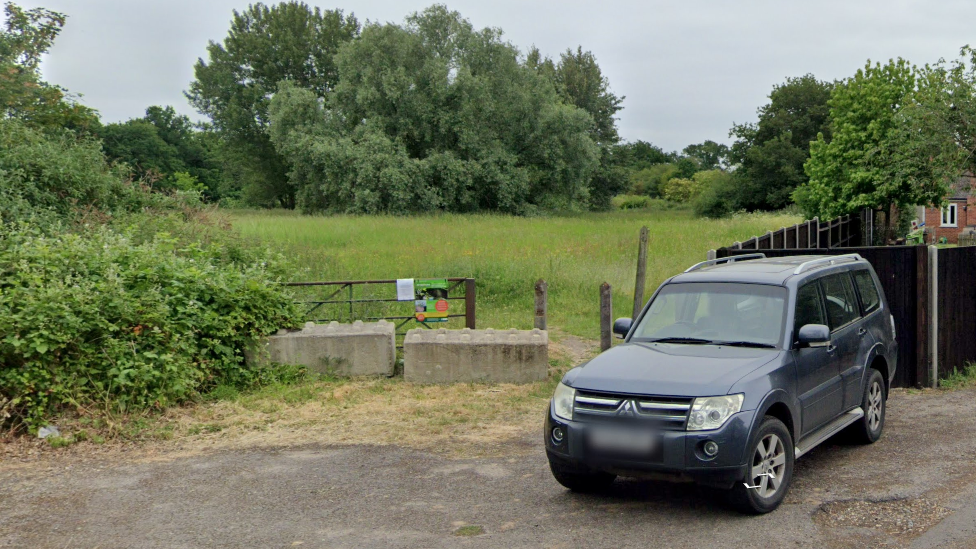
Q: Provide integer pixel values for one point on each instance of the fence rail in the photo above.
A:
(377, 308)
(843, 232)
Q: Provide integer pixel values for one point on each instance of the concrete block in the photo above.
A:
(463, 356)
(357, 349)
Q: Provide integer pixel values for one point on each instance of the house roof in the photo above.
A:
(962, 188)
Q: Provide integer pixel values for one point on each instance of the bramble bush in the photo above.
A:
(97, 322)
(114, 298)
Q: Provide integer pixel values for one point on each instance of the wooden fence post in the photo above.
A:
(921, 317)
(606, 314)
(933, 319)
(641, 273)
(541, 303)
(469, 303)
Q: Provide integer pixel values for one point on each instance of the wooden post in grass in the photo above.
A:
(606, 314)
(541, 303)
(470, 314)
(641, 273)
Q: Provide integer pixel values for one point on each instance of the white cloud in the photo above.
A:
(689, 69)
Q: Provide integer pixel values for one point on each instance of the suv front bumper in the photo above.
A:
(680, 454)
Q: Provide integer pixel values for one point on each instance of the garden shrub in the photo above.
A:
(680, 190)
(100, 321)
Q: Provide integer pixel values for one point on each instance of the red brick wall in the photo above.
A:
(965, 216)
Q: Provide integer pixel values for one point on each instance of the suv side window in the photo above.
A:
(842, 307)
(870, 300)
(808, 308)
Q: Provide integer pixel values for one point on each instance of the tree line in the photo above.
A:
(312, 109)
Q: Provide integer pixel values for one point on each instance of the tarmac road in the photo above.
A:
(916, 487)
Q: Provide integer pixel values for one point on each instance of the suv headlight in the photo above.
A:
(562, 401)
(709, 413)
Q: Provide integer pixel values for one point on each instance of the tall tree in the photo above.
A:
(710, 155)
(769, 154)
(162, 144)
(138, 143)
(435, 115)
(266, 45)
(25, 37)
(640, 155)
(581, 82)
(878, 157)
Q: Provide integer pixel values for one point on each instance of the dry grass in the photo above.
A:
(458, 421)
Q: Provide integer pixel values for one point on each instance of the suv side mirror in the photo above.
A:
(621, 326)
(814, 335)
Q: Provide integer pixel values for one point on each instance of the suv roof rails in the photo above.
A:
(807, 265)
(730, 259)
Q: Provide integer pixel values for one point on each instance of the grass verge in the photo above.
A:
(459, 420)
(960, 379)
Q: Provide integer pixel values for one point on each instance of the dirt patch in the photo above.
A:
(907, 517)
(572, 349)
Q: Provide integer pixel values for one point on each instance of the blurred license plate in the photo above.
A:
(630, 441)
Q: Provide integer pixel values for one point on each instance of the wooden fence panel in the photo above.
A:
(779, 239)
(790, 237)
(898, 271)
(957, 309)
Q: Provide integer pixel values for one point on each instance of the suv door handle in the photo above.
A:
(862, 331)
(831, 348)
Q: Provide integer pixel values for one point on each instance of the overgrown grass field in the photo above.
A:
(506, 255)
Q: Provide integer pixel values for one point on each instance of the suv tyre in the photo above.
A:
(577, 480)
(868, 429)
(770, 470)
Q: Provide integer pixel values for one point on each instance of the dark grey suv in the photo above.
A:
(734, 369)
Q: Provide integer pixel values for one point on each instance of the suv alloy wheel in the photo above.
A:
(770, 470)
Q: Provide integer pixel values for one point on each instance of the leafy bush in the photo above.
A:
(717, 194)
(631, 202)
(53, 173)
(681, 190)
(112, 297)
(650, 180)
(99, 320)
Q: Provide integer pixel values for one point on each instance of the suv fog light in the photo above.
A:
(557, 435)
(710, 448)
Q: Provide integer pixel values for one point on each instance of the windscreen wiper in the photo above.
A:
(744, 344)
(687, 340)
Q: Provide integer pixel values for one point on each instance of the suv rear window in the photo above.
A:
(840, 300)
(869, 293)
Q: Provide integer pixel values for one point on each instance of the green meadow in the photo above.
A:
(506, 255)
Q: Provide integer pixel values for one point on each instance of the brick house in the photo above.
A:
(959, 213)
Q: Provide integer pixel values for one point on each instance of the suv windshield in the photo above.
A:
(716, 312)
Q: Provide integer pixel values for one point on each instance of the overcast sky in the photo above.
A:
(688, 68)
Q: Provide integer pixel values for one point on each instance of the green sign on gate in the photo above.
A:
(430, 304)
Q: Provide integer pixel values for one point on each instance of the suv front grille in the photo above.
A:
(668, 413)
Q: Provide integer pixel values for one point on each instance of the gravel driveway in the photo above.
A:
(914, 488)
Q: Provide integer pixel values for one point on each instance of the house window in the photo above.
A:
(949, 215)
